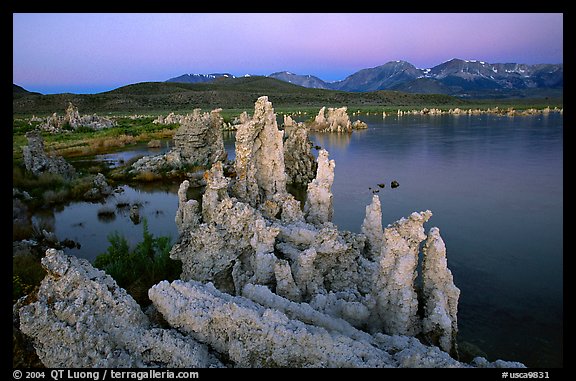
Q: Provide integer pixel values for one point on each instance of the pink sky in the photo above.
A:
(87, 53)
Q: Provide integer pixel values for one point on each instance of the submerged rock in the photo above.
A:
(154, 143)
(135, 214)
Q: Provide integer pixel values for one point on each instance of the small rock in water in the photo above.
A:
(381, 185)
(394, 184)
(135, 214)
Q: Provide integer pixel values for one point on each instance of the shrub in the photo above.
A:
(27, 273)
(81, 185)
(138, 270)
(84, 130)
(147, 176)
(26, 180)
(55, 197)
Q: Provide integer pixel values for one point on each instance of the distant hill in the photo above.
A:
(19, 91)
(457, 77)
(227, 93)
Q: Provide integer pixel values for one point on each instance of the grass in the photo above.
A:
(83, 143)
(49, 189)
(27, 272)
(138, 269)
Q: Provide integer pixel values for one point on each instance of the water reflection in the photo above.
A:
(106, 214)
(90, 224)
(334, 140)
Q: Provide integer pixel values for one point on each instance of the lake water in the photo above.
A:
(493, 183)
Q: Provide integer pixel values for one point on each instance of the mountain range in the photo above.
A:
(457, 77)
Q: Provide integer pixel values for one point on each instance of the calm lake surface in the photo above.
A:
(493, 183)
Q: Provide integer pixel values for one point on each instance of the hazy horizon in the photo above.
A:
(109, 50)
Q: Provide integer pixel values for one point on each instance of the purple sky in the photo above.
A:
(90, 53)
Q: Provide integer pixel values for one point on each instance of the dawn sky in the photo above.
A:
(90, 53)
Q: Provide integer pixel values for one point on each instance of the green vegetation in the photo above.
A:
(85, 141)
(27, 273)
(50, 189)
(139, 269)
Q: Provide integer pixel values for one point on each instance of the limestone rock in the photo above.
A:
(72, 120)
(396, 298)
(171, 118)
(372, 227)
(285, 285)
(359, 125)
(298, 159)
(320, 119)
(199, 138)
(187, 214)
(335, 120)
(37, 161)
(289, 122)
(81, 318)
(440, 324)
(260, 170)
(338, 120)
(230, 233)
(319, 200)
(255, 336)
(72, 116)
(100, 188)
(197, 142)
(263, 329)
(216, 191)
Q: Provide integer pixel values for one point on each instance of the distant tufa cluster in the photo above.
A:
(335, 120)
(72, 120)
